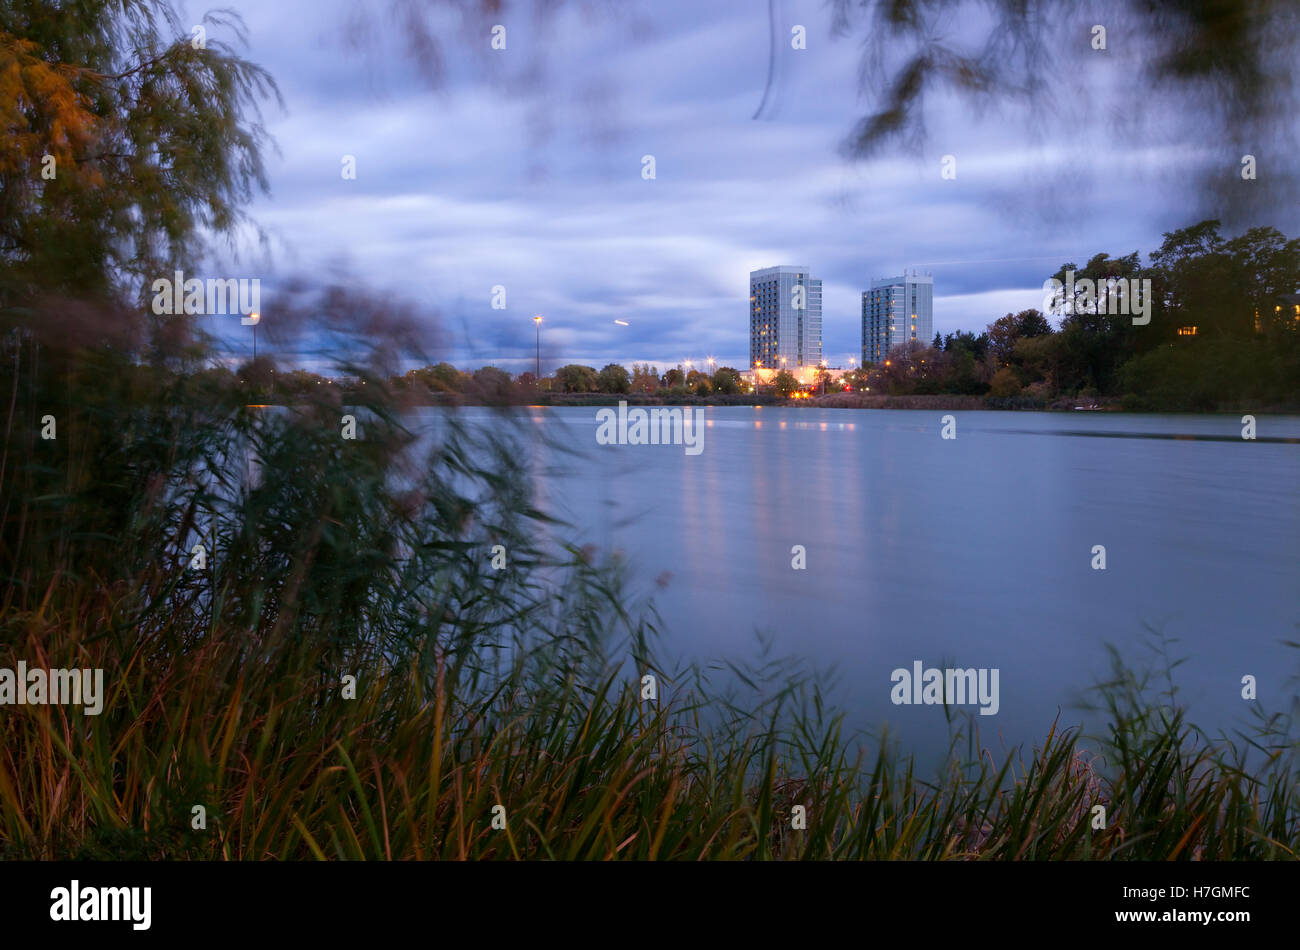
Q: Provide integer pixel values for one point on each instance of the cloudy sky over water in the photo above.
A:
(522, 168)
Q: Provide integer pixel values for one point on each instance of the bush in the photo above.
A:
(1004, 384)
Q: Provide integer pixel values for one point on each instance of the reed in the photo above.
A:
(475, 687)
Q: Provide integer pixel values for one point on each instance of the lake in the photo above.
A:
(975, 552)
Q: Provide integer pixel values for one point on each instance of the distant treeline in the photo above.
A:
(1223, 331)
(1210, 323)
(443, 382)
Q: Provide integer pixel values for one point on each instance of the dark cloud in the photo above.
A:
(525, 171)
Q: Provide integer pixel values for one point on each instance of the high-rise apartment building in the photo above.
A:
(785, 318)
(897, 310)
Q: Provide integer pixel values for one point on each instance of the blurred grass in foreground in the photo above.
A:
(475, 687)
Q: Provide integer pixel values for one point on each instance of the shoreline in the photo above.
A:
(939, 402)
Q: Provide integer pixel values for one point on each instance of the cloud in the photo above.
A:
(525, 171)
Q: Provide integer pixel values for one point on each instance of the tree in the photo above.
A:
(492, 383)
(726, 381)
(446, 377)
(822, 379)
(1004, 383)
(576, 378)
(860, 378)
(963, 341)
(785, 383)
(1004, 332)
(154, 147)
(1266, 266)
(645, 378)
(1033, 323)
(1085, 297)
(155, 142)
(613, 379)
(1040, 358)
(1193, 280)
(299, 382)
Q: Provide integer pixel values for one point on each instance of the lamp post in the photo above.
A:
(253, 319)
(824, 377)
(537, 322)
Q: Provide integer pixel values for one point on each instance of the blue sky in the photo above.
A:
(522, 168)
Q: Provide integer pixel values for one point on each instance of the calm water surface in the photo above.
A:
(973, 552)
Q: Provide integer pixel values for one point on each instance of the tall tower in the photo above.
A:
(785, 318)
(897, 310)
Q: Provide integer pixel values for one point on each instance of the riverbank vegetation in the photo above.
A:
(323, 638)
(381, 667)
(1218, 328)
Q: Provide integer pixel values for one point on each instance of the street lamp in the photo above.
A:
(824, 374)
(537, 322)
(685, 372)
(253, 319)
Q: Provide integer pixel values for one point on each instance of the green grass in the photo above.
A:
(476, 688)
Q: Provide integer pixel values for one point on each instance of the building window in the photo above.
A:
(1187, 331)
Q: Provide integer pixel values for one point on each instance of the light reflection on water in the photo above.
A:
(971, 552)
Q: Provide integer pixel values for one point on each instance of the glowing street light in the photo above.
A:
(253, 319)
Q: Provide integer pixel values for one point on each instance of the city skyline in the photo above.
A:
(538, 186)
